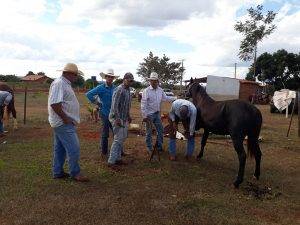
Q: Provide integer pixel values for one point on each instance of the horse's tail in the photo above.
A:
(253, 136)
(251, 146)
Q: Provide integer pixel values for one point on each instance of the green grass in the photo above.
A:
(145, 192)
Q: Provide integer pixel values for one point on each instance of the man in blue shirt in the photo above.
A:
(104, 92)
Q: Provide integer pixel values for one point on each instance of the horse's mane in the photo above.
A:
(201, 90)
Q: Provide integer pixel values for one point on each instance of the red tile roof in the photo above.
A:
(32, 77)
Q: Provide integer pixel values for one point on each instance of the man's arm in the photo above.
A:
(115, 103)
(57, 108)
(144, 104)
(92, 93)
(193, 120)
(128, 113)
(166, 98)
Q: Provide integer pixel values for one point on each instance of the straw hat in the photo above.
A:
(153, 76)
(110, 72)
(70, 67)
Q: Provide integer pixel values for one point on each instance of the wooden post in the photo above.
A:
(294, 101)
(298, 97)
(235, 70)
(25, 104)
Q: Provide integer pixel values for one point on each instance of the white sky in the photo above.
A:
(40, 35)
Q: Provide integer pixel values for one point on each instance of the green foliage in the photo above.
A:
(169, 72)
(79, 82)
(89, 83)
(9, 78)
(281, 69)
(254, 30)
(136, 84)
(118, 81)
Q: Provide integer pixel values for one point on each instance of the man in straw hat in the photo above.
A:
(104, 92)
(119, 117)
(63, 109)
(151, 100)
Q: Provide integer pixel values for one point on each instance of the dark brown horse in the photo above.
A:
(11, 106)
(234, 117)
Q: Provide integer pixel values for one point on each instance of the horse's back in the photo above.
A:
(242, 116)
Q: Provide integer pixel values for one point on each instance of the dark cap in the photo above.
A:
(128, 76)
(183, 111)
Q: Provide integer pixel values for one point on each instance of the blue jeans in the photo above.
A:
(189, 146)
(120, 135)
(156, 121)
(66, 143)
(1, 127)
(106, 125)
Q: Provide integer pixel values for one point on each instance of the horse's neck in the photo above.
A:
(204, 100)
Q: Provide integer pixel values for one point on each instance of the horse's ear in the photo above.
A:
(192, 80)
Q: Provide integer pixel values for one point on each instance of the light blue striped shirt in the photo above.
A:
(192, 114)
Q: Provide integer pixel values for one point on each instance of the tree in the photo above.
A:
(135, 84)
(41, 74)
(9, 78)
(281, 69)
(30, 73)
(254, 30)
(169, 72)
(79, 82)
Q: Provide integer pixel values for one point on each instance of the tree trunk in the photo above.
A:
(254, 63)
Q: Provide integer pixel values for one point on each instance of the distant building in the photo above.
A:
(225, 88)
(36, 78)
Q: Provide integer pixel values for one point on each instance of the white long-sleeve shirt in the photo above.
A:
(192, 114)
(151, 100)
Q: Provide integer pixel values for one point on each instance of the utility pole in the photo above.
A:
(181, 76)
(235, 70)
(298, 97)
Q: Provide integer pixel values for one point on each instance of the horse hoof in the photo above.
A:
(236, 184)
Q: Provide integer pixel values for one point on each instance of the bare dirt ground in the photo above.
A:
(143, 192)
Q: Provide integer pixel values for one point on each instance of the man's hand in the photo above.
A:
(187, 135)
(129, 119)
(146, 120)
(118, 122)
(175, 126)
(67, 120)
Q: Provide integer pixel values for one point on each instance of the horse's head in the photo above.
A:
(192, 88)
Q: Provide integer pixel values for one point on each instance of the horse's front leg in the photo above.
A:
(239, 148)
(203, 143)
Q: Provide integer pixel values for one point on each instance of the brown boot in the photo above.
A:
(188, 158)
(81, 178)
(172, 158)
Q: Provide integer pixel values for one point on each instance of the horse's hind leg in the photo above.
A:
(203, 143)
(254, 150)
(239, 148)
(257, 155)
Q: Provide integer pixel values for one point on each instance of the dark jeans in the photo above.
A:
(106, 125)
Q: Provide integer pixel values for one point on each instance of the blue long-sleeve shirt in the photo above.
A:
(105, 94)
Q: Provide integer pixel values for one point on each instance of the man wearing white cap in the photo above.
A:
(5, 99)
(151, 100)
(63, 109)
(104, 92)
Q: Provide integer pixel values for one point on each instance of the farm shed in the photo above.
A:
(248, 88)
(41, 79)
(225, 88)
